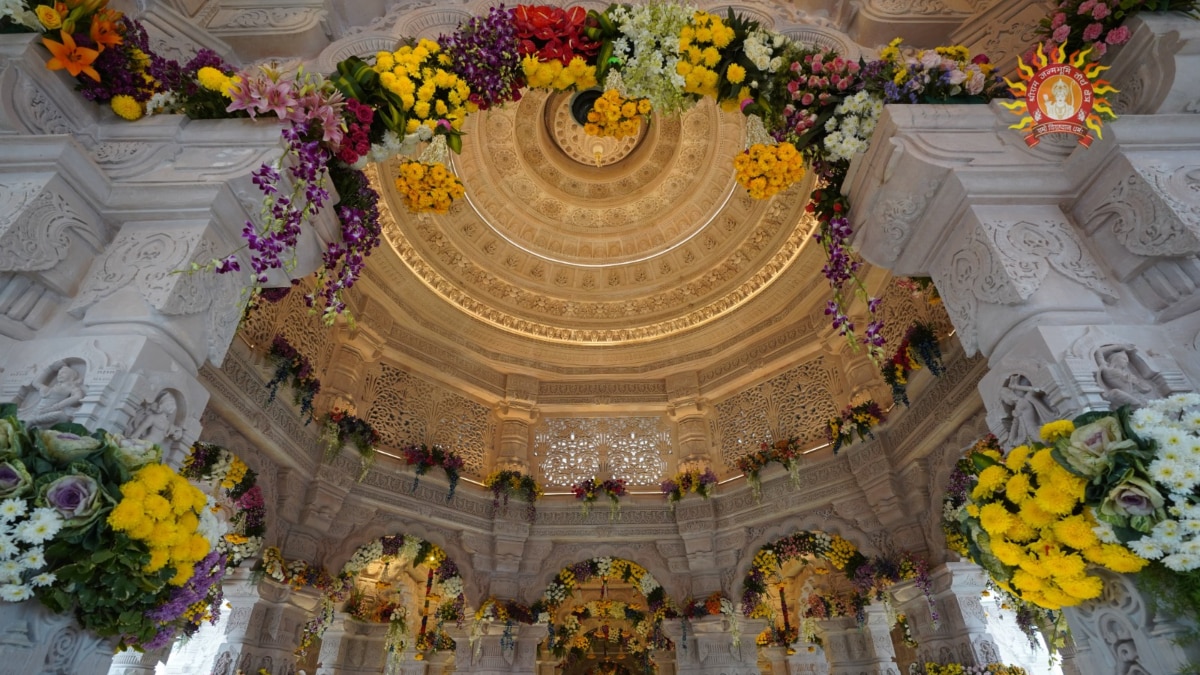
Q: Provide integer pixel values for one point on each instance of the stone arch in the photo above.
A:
(644, 554)
(812, 521)
(940, 463)
(340, 555)
(748, 565)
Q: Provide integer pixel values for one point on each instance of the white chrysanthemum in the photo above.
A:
(15, 592)
(1167, 531)
(1105, 533)
(1147, 547)
(11, 509)
(1181, 562)
(11, 568)
(211, 527)
(33, 558)
(452, 587)
(43, 579)
(38, 530)
(604, 566)
(647, 584)
(8, 548)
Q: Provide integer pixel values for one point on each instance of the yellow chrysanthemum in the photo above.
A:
(127, 515)
(1017, 457)
(1053, 431)
(994, 518)
(1042, 462)
(1021, 531)
(1018, 488)
(1082, 587)
(735, 73)
(1007, 552)
(1076, 532)
(1054, 500)
(990, 479)
(1036, 516)
(126, 107)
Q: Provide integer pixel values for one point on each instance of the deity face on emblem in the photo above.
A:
(1063, 98)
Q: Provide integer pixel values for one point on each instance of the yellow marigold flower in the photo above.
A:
(973, 510)
(157, 507)
(199, 546)
(164, 534)
(1065, 566)
(1055, 430)
(1116, 558)
(1054, 595)
(212, 79)
(142, 530)
(1034, 566)
(1024, 581)
(990, 479)
(154, 476)
(1067, 482)
(1017, 457)
(711, 56)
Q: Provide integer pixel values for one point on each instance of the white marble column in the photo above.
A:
(352, 647)
(807, 659)
(854, 650)
(264, 627)
(710, 648)
(961, 633)
(1073, 270)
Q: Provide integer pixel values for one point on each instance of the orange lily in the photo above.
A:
(67, 55)
(104, 33)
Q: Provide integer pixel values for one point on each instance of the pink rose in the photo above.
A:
(1100, 11)
(1060, 34)
(1099, 49)
(1086, 7)
(1058, 20)
(1118, 36)
(1092, 32)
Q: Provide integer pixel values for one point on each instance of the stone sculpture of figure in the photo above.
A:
(1026, 408)
(156, 420)
(224, 661)
(1126, 379)
(58, 398)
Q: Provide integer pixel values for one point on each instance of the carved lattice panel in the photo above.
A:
(304, 329)
(258, 327)
(901, 307)
(407, 410)
(794, 403)
(569, 449)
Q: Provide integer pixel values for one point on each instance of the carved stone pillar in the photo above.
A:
(774, 659)
(493, 654)
(709, 648)
(807, 659)
(1073, 270)
(350, 646)
(1120, 632)
(688, 410)
(961, 634)
(510, 531)
(854, 649)
(34, 640)
(264, 627)
(696, 520)
(517, 413)
(130, 662)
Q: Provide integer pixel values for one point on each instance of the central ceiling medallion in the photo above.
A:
(563, 118)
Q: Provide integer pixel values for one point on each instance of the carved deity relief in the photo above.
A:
(1025, 408)
(157, 420)
(59, 393)
(1126, 378)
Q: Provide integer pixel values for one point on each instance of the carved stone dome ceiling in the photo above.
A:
(565, 240)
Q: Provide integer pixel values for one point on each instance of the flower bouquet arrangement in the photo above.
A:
(590, 490)
(615, 116)
(483, 54)
(294, 368)
(855, 421)
(428, 186)
(777, 636)
(786, 451)
(493, 610)
(935, 75)
(343, 428)
(508, 483)
(556, 34)
(1099, 24)
(234, 487)
(605, 569)
(684, 482)
(766, 170)
(91, 523)
(1025, 520)
(423, 458)
(714, 605)
(918, 349)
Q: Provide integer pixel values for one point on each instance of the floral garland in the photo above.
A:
(965, 669)
(918, 349)
(424, 458)
(93, 524)
(299, 574)
(646, 633)
(767, 170)
(715, 604)
(786, 451)
(684, 482)
(855, 421)
(343, 428)
(616, 117)
(294, 368)
(508, 483)
(1099, 24)
(494, 610)
(607, 569)
(590, 490)
(236, 489)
